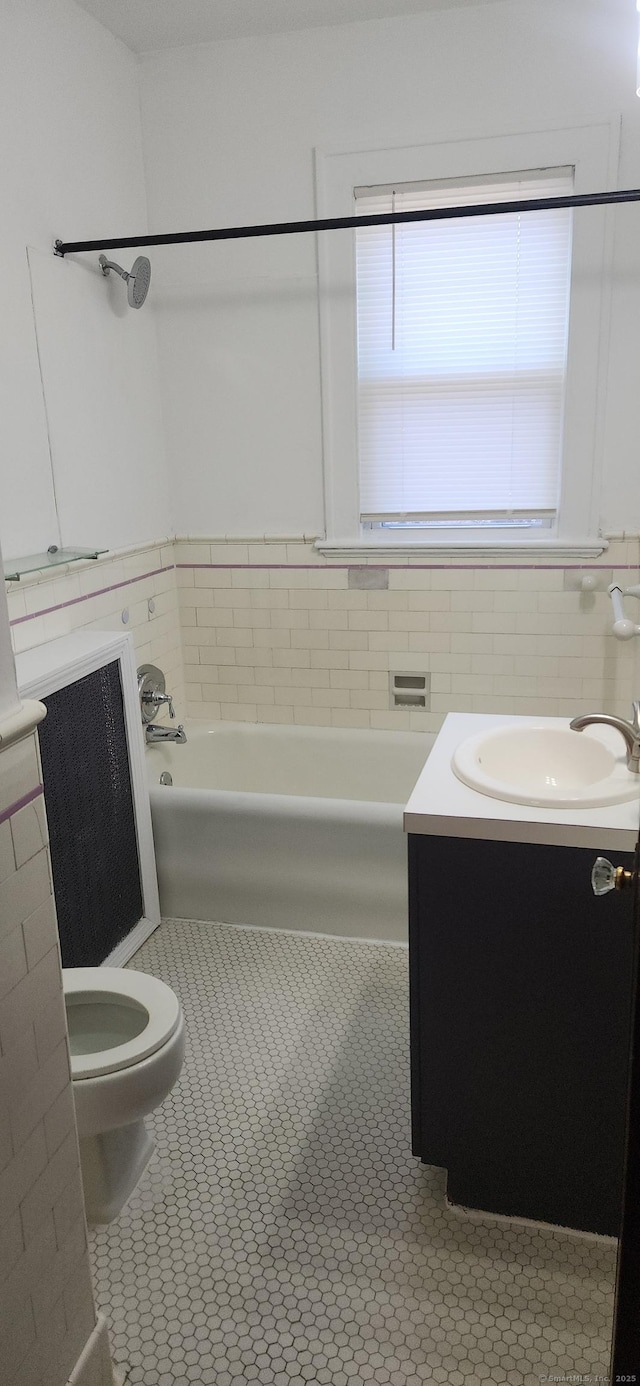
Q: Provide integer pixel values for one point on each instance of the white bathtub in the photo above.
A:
(289, 827)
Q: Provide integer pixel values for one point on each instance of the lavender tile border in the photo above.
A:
(88, 596)
(21, 803)
(320, 568)
(420, 567)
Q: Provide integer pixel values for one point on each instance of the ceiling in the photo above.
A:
(145, 25)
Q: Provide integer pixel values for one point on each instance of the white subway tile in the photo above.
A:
(436, 601)
(238, 712)
(208, 712)
(390, 721)
(348, 640)
(40, 932)
(372, 620)
(292, 659)
(328, 578)
(22, 1175)
(272, 554)
(330, 620)
(309, 678)
(349, 678)
(250, 577)
(310, 639)
(297, 697)
(22, 1006)
(50, 1024)
(39, 1094)
(232, 596)
(252, 618)
(312, 716)
(350, 717)
(28, 831)
(289, 618)
(214, 692)
(14, 961)
(59, 1119)
(270, 597)
(229, 554)
(16, 1337)
(11, 1245)
(409, 580)
(366, 699)
(20, 772)
(282, 715)
(272, 639)
(7, 859)
(329, 659)
(257, 655)
(309, 600)
(289, 578)
(254, 693)
(23, 893)
(427, 642)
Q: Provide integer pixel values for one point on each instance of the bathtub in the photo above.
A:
(286, 827)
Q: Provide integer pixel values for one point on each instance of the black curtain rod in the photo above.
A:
(292, 228)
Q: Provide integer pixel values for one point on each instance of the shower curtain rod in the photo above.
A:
(292, 228)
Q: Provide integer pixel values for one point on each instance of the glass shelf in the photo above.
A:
(53, 558)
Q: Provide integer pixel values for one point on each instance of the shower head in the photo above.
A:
(137, 279)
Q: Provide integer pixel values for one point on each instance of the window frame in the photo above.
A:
(592, 150)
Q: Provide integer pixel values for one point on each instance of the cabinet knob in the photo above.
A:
(606, 877)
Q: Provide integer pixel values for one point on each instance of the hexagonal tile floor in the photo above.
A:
(284, 1234)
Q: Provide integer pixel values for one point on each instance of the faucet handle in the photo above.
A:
(153, 696)
(636, 715)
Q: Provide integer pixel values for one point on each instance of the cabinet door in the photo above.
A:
(520, 993)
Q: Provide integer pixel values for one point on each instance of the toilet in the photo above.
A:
(126, 1041)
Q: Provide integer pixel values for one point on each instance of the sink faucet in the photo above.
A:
(629, 730)
(154, 734)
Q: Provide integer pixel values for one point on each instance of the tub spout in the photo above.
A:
(154, 734)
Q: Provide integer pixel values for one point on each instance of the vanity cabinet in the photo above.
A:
(520, 1002)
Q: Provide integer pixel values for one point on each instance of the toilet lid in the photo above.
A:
(146, 1013)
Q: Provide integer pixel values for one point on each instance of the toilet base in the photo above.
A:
(112, 1163)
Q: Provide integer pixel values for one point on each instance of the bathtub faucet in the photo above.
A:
(154, 734)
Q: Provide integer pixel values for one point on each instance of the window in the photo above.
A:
(464, 361)
(462, 344)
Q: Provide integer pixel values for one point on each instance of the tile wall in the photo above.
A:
(272, 632)
(48, 1313)
(94, 594)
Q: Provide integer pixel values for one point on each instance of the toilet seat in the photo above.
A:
(147, 993)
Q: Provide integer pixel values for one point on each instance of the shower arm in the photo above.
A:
(111, 265)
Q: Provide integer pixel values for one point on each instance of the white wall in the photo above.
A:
(229, 131)
(71, 166)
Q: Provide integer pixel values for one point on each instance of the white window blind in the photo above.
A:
(462, 344)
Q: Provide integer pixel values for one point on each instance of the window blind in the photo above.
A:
(462, 345)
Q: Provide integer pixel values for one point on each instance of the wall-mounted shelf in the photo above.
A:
(14, 568)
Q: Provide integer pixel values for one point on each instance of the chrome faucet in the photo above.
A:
(151, 691)
(153, 697)
(629, 730)
(154, 734)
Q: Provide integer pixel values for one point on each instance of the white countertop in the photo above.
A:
(442, 806)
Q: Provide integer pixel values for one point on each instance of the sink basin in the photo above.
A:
(551, 767)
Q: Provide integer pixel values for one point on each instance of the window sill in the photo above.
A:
(537, 549)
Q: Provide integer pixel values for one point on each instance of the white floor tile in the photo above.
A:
(283, 1232)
